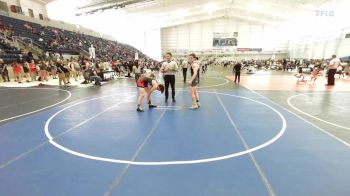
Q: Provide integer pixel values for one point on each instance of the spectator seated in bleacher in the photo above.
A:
(55, 43)
(9, 53)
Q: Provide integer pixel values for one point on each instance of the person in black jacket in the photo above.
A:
(237, 69)
(284, 64)
(4, 72)
(61, 73)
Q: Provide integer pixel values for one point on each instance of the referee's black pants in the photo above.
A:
(184, 72)
(331, 73)
(237, 76)
(169, 80)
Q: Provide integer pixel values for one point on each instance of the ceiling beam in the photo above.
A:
(191, 20)
(42, 1)
(204, 17)
(160, 11)
(252, 19)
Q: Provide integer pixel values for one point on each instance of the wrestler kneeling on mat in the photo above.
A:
(194, 82)
(147, 85)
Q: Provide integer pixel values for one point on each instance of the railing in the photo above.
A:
(27, 44)
(3, 36)
(23, 40)
(84, 52)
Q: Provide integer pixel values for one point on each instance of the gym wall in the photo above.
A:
(199, 36)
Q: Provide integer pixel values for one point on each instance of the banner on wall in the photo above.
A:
(249, 49)
(225, 39)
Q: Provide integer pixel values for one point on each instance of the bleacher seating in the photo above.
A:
(67, 42)
(9, 53)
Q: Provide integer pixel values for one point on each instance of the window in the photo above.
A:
(4, 6)
(16, 9)
(41, 16)
(31, 13)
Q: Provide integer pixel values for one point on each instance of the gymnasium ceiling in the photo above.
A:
(175, 12)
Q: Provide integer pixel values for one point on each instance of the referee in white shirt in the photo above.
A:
(332, 69)
(169, 69)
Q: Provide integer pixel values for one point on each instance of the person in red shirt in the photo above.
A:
(114, 65)
(147, 86)
(17, 71)
(32, 70)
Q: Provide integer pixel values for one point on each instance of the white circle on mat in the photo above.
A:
(214, 85)
(199, 86)
(159, 163)
(289, 101)
(41, 109)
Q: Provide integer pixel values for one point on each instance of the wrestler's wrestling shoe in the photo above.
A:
(152, 106)
(139, 110)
